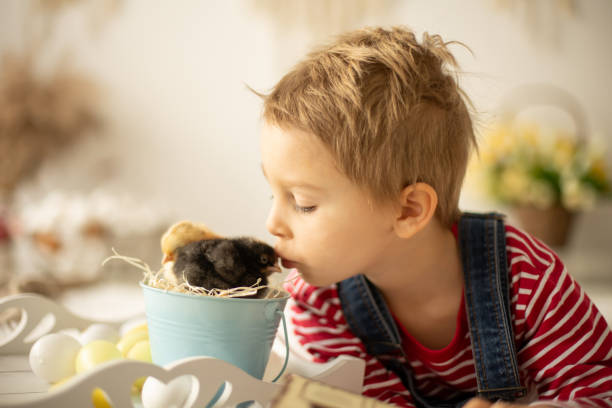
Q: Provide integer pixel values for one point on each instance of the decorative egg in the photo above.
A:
(156, 394)
(94, 353)
(133, 324)
(99, 331)
(140, 351)
(142, 328)
(128, 341)
(99, 400)
(52, 357)
(60, 383)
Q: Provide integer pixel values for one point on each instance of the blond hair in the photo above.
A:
(387, 107)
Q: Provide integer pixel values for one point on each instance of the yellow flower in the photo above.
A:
(514, 181)
(598, 171)
(523, 163)
(498, 144)
(540, 194)
(564, 151)
(576, 196)
(487, 158)
(529, 135)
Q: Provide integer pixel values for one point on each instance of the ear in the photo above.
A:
(417, 205)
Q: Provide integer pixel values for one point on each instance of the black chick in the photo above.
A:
(226, 263)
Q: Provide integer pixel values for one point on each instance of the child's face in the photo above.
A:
(324, 224)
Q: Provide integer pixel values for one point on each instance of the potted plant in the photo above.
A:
(545, 175)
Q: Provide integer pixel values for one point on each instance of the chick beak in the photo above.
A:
(271, 269)
(167, 258)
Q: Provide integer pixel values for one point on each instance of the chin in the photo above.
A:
(315, 280)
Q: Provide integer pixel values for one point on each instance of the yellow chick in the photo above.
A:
(181, 234)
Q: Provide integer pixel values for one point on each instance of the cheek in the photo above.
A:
(330, 247)
(316, 238)
(357, 244)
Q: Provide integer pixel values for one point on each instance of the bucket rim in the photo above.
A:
(283, 298)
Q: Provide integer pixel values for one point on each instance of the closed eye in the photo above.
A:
(305, 209)
(297, 207)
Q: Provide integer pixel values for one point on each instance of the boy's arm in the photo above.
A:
(483, 403)
(322, 333)
(565, 345)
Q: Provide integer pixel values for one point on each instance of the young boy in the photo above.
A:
(365, 145)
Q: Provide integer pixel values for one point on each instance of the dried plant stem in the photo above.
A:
(157, 280)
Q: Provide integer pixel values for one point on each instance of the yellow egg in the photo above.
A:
(137, 385)
(140, 351)
(99, 331)
(98, 398)
(135, 329)
(59, 383)
(128, 341)
(94, 353)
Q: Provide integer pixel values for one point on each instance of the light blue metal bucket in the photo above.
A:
(239, 331)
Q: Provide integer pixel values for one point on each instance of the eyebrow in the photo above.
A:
(293, 184)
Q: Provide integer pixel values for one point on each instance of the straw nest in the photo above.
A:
(157, 279)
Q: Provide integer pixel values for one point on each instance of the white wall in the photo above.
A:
(183, 128)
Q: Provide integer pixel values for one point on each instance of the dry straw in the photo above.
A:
(157, 280)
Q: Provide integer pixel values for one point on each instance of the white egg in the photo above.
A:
(52, 356)
(156, 394)
(99, 331)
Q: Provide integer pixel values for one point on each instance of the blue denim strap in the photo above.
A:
(370, 319)
(482, 240)
(366, 312)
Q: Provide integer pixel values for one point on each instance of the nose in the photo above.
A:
(276, 224)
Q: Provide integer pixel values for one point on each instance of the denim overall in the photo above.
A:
(483, 253)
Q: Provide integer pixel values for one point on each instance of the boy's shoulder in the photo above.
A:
(529, 252)
(524, 252)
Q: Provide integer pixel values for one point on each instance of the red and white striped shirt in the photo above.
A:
(563, 343)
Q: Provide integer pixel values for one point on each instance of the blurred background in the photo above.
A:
(120, 117)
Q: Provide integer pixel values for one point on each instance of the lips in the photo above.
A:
(286, 262)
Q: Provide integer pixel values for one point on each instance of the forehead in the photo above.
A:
(295, 156)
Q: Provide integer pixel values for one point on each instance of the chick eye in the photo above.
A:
(263, 259)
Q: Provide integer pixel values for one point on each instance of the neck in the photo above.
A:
(421, 270)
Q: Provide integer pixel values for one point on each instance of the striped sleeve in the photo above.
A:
(565, 345)
(321, 332)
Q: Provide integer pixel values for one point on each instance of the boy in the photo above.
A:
(365, 145)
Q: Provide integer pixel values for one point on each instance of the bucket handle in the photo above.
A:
(286, 346)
